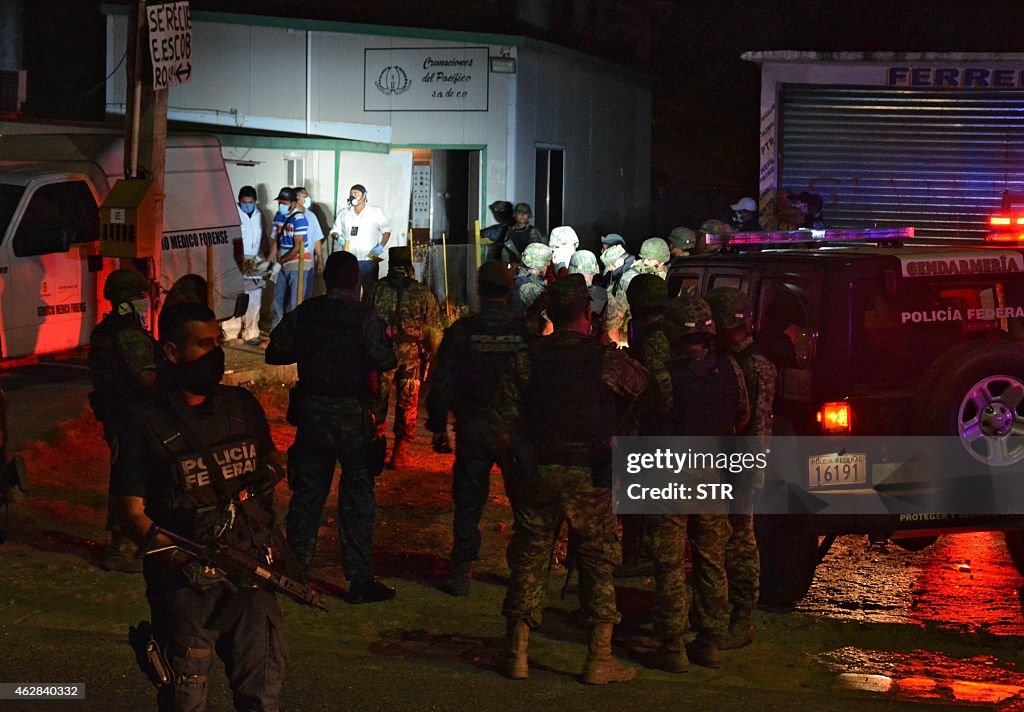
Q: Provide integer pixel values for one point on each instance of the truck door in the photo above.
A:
(49, 296)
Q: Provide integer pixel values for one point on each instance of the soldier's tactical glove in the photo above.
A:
(201, 577)
(441, 443)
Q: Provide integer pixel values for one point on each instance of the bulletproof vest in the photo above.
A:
(567, 414)
(112, 383)
(743, 357)
(332, 356)
(405, 322)
(705, 396)
(211, 463)
(492, 337)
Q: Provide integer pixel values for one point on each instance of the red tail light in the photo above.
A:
(835, 417)
(999, 221)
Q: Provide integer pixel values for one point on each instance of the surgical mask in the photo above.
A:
(352, 202)
(282, 208)
(248, 208)
(139, 307)
(202, 375)
(307, 202)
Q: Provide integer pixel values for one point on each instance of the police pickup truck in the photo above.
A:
(874, 335)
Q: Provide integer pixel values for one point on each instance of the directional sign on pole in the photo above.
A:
(170, 42)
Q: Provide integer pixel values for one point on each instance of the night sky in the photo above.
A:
(706, 99)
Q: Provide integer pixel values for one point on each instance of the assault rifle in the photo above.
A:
(226, 561)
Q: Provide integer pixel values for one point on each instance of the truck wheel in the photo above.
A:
(789, 555)
(1015, 545)
(975, 393)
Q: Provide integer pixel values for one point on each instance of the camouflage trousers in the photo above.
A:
(742, 560)
(666, 542)
(406, 382)
(558, 493)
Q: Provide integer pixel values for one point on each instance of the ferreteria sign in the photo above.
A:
(425, 79)
(170, 42)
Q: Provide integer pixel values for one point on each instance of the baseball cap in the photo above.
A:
(745, 204)
(613, 238)
(286, 194)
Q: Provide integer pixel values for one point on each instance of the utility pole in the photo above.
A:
(145, 144)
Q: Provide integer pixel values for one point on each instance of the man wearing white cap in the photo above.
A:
(745, 215)
(563, 243)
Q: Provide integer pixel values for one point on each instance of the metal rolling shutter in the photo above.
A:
(937, 160)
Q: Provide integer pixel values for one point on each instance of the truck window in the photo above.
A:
(10, 195)
(679, 284)
(785, 324)
(58, 215)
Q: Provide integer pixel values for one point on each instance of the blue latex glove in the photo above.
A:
(377, 250)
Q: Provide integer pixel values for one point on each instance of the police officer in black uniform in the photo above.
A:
(122, 361)
(474, 354)
(341, 347)
(198, 461)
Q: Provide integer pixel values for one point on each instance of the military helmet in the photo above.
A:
(523, 208)
(654, 248)
(731, 307)
(715, 227)
(647, 292)
(537, 255)
(583, 262)
(123, 285)
(612, 255)
(569, 294)
(494, 276)
(686, 315)
(563, 236)
(682, 238)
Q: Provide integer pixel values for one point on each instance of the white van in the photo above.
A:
(51, 273)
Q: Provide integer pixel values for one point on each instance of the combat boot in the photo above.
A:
(671, 657)
(458, 583)
(399, 459)
(705, 651)
(514, 664)
(741, 630)
(601, 667)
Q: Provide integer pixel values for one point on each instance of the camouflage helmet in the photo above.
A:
(654, 248)
(730, 307)
(569, 294)
(123, 285)
(715, 227)
(647, 292)
(612, 255)
(563, 236)
(583, 262)
(537, 255)
(686, 315)
(682, 238)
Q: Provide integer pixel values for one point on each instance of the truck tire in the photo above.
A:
(789, 555)
(974, 393)
(1015, 545)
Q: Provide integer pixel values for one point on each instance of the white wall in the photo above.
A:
(601, 117)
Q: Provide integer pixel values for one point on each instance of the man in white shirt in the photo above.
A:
(247, 327)
(363, 230)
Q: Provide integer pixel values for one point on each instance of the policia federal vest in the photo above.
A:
(331, 353)
(492, 337)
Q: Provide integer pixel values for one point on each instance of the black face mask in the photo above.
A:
(202, 375)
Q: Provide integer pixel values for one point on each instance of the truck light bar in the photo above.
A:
(872, 234)
(1005, 228)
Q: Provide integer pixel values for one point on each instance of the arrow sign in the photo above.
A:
(170, 42)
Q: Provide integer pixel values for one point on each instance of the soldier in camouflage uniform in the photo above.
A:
(123, 362)
(709, 398)
(584, 262)
(653, 258)
(527, 301)
(341, 346)
(562, 401)
(411, 311)
(474, 354)
(648, 295)
(616, 263)
(734, 319)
